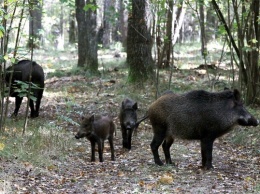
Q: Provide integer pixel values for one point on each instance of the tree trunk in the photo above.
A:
(82, 29)
(211, 25)
(139, 44)
(91, 36)
(61, 34)
(87, 36)
(202, 30)
(35, 24)
(106, 24)
(179, 22)
(168, 42)
(253, 38)
(122, 23)
(72, 27)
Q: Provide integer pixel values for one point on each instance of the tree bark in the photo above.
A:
(168, 41)
(106, 24)
(253, 38)
(82, 28)
(178, 22)
(87, 35)
(35, 24)
(202, 30)
(72, 27)
(139, 42)
(122, 23)
(91, 37)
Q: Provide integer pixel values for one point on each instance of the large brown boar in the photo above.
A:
(196, 115)
(128, 118)
(97, 129)
(21, 72)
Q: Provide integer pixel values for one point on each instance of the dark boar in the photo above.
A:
(196, 115)
(128, 117)
(97, 129)
(22, 73)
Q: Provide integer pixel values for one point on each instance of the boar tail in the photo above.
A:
(140, 120)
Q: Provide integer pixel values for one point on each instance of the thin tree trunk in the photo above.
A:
(72, 27)
(179, 22)
(168, 42)
(122, 23)
(202, 31)
(35, 24)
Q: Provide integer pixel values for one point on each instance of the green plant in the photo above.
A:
(37, 146)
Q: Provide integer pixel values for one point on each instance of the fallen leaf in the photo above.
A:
(2, 146)
(166, 179)
(120, 173)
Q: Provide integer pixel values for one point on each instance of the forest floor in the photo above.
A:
(62, 163)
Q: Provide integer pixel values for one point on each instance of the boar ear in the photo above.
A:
(91, 119)
(135, 106)
(237, 95)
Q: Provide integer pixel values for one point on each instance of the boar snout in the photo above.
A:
(250, 121)
(130, 125)
(78, 136)
(253, 122)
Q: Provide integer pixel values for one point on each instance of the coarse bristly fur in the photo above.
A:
(97, 129)
(21, 72)
(196, 115)
(128, 119)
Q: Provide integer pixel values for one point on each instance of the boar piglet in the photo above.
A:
(97, 129)
(128, 117)
(21, 72)
(196, 115)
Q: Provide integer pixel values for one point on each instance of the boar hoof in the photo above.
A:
(14, 115)
(207, 167)
(159, 163)
(34, 115)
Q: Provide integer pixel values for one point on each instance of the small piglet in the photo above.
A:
(97, 129)
(128, 119)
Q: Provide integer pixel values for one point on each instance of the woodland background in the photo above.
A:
(96, 53)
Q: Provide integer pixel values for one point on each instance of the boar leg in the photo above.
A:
(129, 138)
(38, 102)
(156, 142)
(93, 143)
(32, 109)
(18, 101)
(110, 139)
(206, 153)
(166, 149)
(124, 136)
(100, 150)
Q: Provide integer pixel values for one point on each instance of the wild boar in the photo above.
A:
(128, 118)
(97, 129)
(21, 72)
(196, 115)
